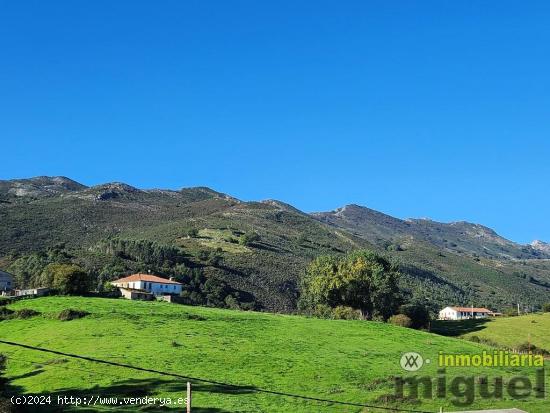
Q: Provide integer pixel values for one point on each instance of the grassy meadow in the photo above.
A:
(352, 361)
(513, 331)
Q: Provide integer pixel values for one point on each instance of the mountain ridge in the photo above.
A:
(368, 222)
(52, 185)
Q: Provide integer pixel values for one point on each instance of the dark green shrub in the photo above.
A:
(25, 313)
(345, 313)
(70, 314)
(322, 311)
(249, 238)
(192, 232)
(5, 313)
(400, 320)
(546, 308)
(527, 347)
(419, 314)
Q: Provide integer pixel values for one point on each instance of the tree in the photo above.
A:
(67, 278)
(419, 314)
(192, 232)
(249, 238)
(361, 280)
(546, 307)
(216, 291)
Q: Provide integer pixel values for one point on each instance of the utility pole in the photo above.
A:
(188, 397)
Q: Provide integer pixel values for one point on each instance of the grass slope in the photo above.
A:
(513, 331)
(343, 360)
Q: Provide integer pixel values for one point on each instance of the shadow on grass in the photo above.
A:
(454, 328)
(28, 374)
(133, 388)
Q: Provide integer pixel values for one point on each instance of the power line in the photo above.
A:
(217, 383)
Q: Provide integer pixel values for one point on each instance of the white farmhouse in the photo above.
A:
(6, 281)
(463, 313)
(146, 286)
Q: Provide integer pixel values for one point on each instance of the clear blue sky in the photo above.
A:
(435, 109)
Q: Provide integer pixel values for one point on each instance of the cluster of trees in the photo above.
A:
(412, 315)
(249, 238)
(359, 285)
(213, 292)
(36, 270)
(66, 279)
(28, 269)
(361, 280)
(59, 270)
(144, 251)
(246, 238)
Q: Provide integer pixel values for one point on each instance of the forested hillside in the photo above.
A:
(249, 254)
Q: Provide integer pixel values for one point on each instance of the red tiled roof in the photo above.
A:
(145, 277)
(470, 309)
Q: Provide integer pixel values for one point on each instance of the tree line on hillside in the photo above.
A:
(64, 273)
(357, 285)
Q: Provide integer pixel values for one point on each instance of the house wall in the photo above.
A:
(134, 295)
(450, 314)
(39, 292)
(164, 289)
(155, 288)
(126, 293)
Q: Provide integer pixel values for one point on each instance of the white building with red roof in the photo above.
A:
(143, 286)
(464, 313)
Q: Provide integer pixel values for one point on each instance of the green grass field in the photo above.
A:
(352, 361)
(513, 331)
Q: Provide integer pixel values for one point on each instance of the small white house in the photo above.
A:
(6, 281)
(463, 313)
(141, 286)
(37, 292)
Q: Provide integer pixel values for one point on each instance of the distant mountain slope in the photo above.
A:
(442, 263)
(459, 237)
(40, 186)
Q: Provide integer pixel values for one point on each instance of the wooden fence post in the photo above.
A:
(188, 397)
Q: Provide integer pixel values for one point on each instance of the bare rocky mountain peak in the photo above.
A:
(39, 186)
(541, 246)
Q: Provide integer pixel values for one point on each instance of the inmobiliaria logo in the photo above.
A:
(464, 390)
